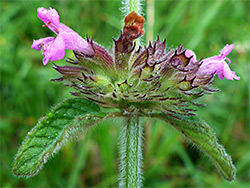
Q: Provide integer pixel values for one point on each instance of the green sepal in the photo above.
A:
(64, 122)
(202, 136)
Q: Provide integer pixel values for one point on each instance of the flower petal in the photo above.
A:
(190, 53)
(57, 49)
(37, 44)
(45, 60)
(49, 17)
(53, 50)
(73, 41)
(228, 74)
(235, 76)
(226, 50)
(210, 66)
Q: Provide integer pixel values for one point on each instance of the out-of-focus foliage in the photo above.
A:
(27, 94)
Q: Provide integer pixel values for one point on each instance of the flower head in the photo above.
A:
(146, 78)
(54, 48)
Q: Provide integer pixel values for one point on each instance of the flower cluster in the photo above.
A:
(146, 78)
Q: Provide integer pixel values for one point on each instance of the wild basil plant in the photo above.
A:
(140, 81)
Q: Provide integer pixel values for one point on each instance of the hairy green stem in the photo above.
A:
(134, 5)
(129, 6)
(131, 157)
(150, 19)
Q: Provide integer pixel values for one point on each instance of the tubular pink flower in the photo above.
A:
(216, 64)
(54, 48)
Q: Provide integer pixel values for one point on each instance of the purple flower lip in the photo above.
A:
(216, 64)
(54, 48)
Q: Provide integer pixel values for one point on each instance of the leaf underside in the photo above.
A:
(65, 121)
(202, 136)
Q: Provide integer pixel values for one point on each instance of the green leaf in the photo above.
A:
(199, 133)
(64, 122)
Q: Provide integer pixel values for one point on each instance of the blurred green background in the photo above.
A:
(27, 94)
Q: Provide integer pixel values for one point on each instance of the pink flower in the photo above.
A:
(216, 64)
(54, 48)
